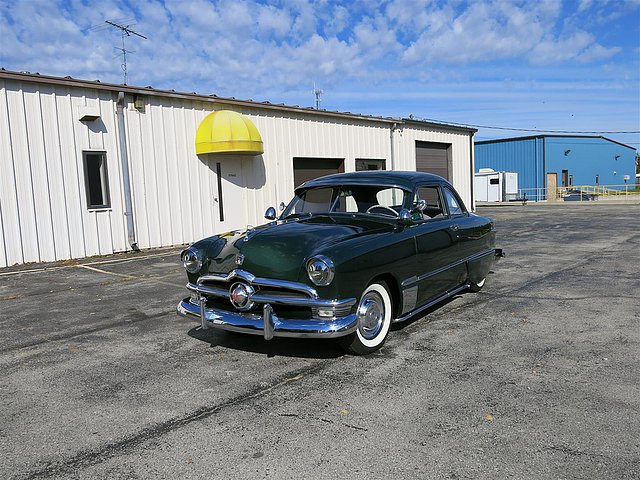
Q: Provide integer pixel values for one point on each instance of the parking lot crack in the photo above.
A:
(101, 454)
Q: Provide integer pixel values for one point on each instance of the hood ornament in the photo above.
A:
(239, 259)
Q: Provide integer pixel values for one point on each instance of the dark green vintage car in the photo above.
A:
(349, 255)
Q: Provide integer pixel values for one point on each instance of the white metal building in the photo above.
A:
(88, 168)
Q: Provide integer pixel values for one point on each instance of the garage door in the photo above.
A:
(306, 168)
(433, 158)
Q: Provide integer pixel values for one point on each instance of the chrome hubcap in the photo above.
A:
(370, 315)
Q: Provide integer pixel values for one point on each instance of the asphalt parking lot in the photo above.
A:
(536, 376)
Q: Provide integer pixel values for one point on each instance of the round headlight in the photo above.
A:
(320, 270)
(192, 260)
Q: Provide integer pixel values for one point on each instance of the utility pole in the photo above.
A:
(317, 93)
(125, 32)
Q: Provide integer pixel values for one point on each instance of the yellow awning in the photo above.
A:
(225, 131)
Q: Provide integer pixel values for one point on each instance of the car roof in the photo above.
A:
(391, 178)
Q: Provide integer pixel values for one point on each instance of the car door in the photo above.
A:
(473, 231)
(438, 265)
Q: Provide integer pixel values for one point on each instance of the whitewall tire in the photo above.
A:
(476, 287)
(374, 320)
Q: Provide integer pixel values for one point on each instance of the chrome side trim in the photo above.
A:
(481, 254)
(409, 282)
(277, 327)
(253, 280)
(444, 296)
(409, 298)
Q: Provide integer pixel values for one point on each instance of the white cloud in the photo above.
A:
(234, 46)
(274, 21)
(502, 29)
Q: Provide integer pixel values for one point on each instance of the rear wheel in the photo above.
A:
(476, 287)
(374, 320)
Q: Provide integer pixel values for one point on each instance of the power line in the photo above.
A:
(516, 129)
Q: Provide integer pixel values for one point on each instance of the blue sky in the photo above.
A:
(548, 65)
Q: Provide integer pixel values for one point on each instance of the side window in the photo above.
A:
(96, 180)
(345, 202)
(454, 205)
(432, 207)
(390, 197)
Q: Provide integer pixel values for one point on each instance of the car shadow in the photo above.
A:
(294, 347)
(421, 316)
(283, 347)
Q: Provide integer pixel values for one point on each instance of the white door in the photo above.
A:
(494, 189)
(230, 201)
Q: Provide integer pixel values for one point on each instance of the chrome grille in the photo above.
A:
(280, 294)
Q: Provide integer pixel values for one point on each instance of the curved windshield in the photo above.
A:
(377, 200)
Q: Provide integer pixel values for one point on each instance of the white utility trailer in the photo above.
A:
(492, 186)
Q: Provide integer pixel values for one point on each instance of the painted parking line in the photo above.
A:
(116, 274)
(102, 262)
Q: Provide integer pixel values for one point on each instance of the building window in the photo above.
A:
(370, 164)
(96, 180)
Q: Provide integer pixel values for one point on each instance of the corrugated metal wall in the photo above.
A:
(42, 194)
(525, 157)
(583, 157)
(461, 149)
(43, 205)
(586, 157)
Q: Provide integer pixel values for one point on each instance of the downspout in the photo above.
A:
(544, 168)
(126, 183)
(473, 169)
(392, 159)
(535, 173)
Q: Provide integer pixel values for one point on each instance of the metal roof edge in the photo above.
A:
(530, 137)
(114, 87)
(414, 121)
(509, 139)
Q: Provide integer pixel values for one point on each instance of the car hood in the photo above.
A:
(279, 249)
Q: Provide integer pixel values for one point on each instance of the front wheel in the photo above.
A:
(374, 320)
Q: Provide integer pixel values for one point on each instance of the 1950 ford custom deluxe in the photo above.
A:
(348, 256)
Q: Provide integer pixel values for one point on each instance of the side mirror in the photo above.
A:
(404, 218)
(270, 214)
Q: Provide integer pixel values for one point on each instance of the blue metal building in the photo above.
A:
(577, 160)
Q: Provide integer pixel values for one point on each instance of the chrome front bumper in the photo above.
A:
(268, 324)
(329, 318)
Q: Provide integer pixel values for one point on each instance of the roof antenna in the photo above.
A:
(126, 32)
(317, 93)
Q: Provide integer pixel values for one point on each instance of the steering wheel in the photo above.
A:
(385, 210)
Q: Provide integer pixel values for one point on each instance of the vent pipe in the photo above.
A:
(126, 183)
